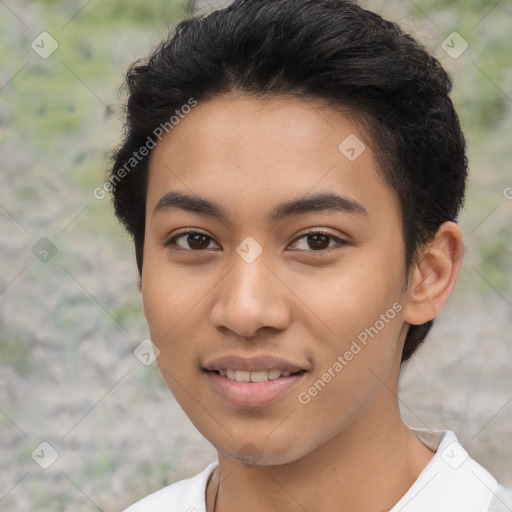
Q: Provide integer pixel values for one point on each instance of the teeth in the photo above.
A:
(274, 374)
(261, 376)
(242, 376)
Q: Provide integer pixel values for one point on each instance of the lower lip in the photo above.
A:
(252, 394)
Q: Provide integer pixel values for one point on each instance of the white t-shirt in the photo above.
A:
(451, 482)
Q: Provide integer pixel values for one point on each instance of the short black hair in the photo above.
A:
(330, 50)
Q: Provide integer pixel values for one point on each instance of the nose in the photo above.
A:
(249, 298)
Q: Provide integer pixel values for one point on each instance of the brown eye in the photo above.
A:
(317, 241)
(198, 241)
(193, 241)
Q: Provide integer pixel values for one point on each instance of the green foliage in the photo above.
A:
(139, 11)
(15, 351)
(482, 88)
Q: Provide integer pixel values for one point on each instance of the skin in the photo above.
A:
(348, 448)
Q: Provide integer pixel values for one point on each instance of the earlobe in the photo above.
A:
(432, 278)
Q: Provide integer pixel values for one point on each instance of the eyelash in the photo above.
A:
(339, 241)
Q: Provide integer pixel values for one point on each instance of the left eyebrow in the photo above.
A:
(326, 202)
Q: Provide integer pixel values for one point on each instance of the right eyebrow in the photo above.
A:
(173, 201)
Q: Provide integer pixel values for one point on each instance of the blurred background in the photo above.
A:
(85, 424)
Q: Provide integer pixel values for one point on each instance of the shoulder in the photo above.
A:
(452, 481)
(187, 494)
(501, 500)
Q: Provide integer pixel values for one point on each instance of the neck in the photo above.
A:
(367, 467)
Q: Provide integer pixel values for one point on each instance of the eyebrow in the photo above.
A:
(325, 202)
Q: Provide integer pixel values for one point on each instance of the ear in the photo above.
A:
(433, 276)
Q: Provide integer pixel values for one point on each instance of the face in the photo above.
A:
(273, 255)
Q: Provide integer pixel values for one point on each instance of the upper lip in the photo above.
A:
(253, 364)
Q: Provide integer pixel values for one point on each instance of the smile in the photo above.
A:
(257, 381)
(260, 376)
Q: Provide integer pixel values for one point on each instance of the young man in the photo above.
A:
(291, 175)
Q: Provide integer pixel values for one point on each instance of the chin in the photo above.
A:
(263, 453)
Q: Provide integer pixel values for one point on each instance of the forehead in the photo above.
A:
(251, 154)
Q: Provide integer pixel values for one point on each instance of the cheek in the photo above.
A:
(166, 307)
(169, 293)
(350, 374)
(359, 310)
(351, 296)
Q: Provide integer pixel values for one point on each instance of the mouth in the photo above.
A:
(255, 382)
(259, 376)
